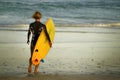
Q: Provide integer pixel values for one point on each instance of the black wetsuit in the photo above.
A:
(36, 28)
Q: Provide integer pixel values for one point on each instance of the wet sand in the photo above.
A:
(63, 77)
(87, 54)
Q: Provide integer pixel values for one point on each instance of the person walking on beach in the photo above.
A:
(35, 28)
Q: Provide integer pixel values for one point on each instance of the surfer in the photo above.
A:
(35, 28)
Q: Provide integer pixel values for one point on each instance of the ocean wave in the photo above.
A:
(111, 28)
(90, 25)
(60, 4)
(104, 25)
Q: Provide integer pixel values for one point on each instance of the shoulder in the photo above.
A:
(42, 24)
(32, 23)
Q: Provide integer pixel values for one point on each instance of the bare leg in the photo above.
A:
(30, 68)
(30, 62)
(36, 69)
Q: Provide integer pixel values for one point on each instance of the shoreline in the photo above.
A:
(99, 30)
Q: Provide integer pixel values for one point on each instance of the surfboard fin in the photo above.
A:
(42, 60)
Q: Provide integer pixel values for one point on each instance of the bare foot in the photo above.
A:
(29, 68)
(35, 72)
(36, 69)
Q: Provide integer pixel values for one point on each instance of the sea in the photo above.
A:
(76, 12)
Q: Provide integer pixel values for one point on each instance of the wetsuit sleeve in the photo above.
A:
(48, 37)
(28, 34)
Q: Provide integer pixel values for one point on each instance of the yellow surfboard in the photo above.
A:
(42, 46)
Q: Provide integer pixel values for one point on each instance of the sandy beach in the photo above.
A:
(77, 54)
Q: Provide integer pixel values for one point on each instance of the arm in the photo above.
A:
(28, 35)
(48, 37)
